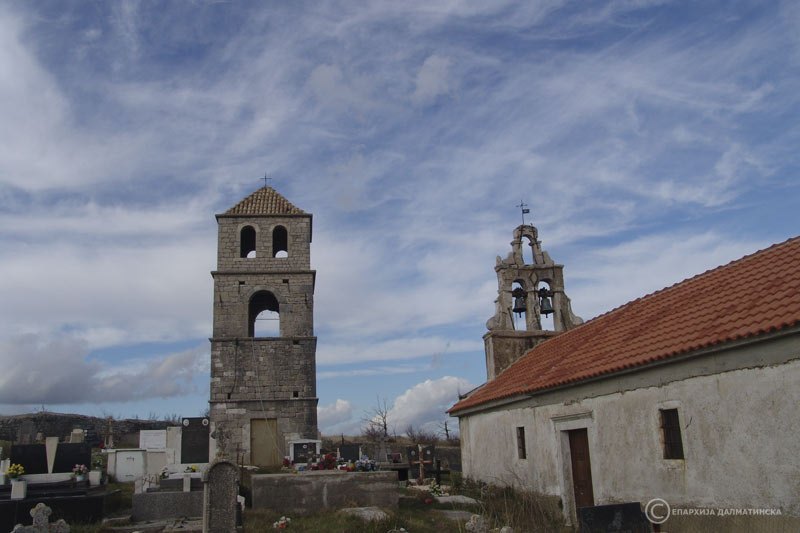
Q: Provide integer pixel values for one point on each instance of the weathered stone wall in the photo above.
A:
(295, 418)
(263, 369)
(293, 290)
(147, 506)
(739, 426)
(310, 491)
(228, 244)
(263, 378)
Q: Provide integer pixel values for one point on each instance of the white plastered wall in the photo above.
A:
(740, 434)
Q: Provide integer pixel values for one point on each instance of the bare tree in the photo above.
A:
(421, 436)
(444, 429)
(376, 420)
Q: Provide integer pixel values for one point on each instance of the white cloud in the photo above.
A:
(425, 404)
(37, 371)
(433, 80)
(330, 416)
(606, 278)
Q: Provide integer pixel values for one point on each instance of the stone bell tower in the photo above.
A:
(530, 289)
(263, 350)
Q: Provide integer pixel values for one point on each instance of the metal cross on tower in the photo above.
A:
(265, 178)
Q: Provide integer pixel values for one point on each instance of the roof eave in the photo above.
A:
(498, 402)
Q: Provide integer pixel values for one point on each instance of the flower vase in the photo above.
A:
(19, 489)
(79, 477)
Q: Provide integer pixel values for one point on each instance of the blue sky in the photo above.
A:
(652, 141)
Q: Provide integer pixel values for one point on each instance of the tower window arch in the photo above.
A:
(247, 242)
(526, 250)
(264, 319)
(280, 242)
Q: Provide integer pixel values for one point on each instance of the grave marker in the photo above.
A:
(194, 440)
(220, 497)
(615, 518)
(153, 439)
(350, 452)
(41, 522)
(77, 436)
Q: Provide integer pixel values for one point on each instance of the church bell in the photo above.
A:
(519, 301)
(545, 304)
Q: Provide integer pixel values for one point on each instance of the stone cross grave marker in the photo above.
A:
(220, 492)
(41, 522)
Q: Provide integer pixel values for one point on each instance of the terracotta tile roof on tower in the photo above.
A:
(756, 294)
(265, 201)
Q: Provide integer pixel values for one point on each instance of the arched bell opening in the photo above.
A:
(519, 305)
(545, 305)
(280, 242)
(526, 250)
(264, 315)
(247, 242)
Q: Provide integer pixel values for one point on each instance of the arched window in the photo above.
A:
(526, 250)
(280, 242)
(264, 315)
(247, 242)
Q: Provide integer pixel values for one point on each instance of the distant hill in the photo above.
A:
(24, 428)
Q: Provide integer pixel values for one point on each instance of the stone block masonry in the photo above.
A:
(310, 491)
(263, 377)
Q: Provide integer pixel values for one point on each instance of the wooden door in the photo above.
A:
(264, 449)
(581, 468)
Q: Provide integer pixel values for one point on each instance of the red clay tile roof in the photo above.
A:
(265, 201)
(756, 294)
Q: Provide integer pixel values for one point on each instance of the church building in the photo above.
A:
(687, 396)
(263, 349)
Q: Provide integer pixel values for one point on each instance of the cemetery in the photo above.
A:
(173, 482)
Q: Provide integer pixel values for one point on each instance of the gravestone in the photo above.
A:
(302, 452)
(153, 439)
(220, 502)
(41, 522)
(77, 436)
(68, 455)
(194, 440)
(32, 457)
(616, 518)
(350, 452)
(26, 434)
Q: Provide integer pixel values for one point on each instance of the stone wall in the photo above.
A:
(299, 235)
(263, 369)
(311, 491)
(739, 426)
(263, 377)
(166, 504)
(293, 290)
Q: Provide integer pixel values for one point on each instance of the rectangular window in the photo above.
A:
(521, 453)
(671, 428)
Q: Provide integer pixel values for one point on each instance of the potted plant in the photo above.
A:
(79, 471)
(19, 487)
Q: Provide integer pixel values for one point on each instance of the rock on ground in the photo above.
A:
(368, 514)
(457, 499)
